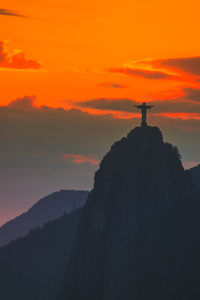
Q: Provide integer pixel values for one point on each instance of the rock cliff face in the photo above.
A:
(138, 237)
(195, 175)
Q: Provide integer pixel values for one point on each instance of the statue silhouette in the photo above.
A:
(144, 109)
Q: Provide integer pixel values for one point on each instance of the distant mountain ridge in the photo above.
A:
(48, 208)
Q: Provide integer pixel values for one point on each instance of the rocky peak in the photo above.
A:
(141, 212)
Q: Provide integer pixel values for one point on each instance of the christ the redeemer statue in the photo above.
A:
(144, 108)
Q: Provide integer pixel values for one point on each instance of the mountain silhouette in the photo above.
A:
(48, 208)
(32, 267)
(138, 236)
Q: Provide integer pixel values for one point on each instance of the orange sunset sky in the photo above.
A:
(70, 75)
(83, 50)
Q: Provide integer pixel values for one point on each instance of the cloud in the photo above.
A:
(177, 66)
(190, 65)
(67, 131)
(16, 60)
(112, 85)
(128, 105)
(176, 106)
(80, 159)
(192, 94)
(165, 68)
(125, 105)
(147, 74)
(25, 103)
(11, 13)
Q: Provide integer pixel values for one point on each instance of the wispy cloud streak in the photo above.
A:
(11, 13)
(80, 159)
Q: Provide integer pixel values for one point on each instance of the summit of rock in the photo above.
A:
(141, 152)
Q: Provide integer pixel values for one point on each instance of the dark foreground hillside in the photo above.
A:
(32, 268)
(48, 208)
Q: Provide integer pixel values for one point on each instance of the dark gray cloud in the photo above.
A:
(128, 105)
(113, 85)
(57, 130)
(192, 94)
(166, 68)
(25, 103)
(141, 73)
(189, 65)
(11, 13)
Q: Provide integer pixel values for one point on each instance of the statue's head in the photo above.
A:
(144, 103)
